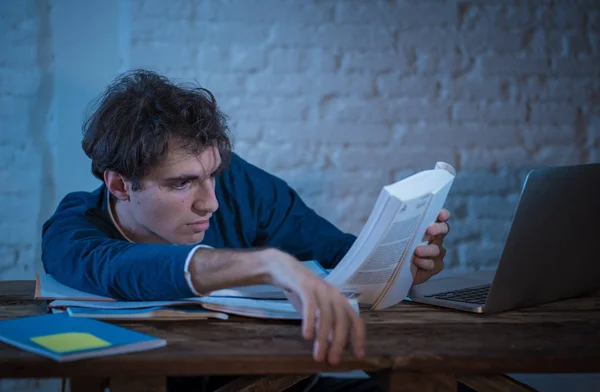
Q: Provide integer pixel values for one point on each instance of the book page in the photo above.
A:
(374, 273)
(386, 238)
(400, 283)
(382, 216)
(385, 257)
(377, 221)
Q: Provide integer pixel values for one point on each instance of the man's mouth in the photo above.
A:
(199, 226)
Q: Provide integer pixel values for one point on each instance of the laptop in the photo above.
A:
(551, 251)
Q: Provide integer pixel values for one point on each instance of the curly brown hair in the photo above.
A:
(129, 127)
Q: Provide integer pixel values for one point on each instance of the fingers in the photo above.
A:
(357, 329)
(327, 317)
(425, 264)
(439, 266)
(444, 215)
(347, 321)
(433, 265)
(427, 251)
(336, 320)
(309, 318)
(340, 334)
(442, 253)
(430, 257)
(438, 229)
(324, 328)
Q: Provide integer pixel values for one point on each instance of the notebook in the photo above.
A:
(153, 313)
(63, 338)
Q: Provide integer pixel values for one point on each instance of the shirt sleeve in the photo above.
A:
(287, 223)
(77, 253)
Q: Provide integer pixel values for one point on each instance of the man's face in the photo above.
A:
(177, 198)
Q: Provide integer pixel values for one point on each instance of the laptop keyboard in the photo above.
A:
(471, 295)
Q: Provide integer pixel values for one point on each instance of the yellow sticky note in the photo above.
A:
(70, 341)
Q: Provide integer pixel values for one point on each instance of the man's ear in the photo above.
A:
(117, 185)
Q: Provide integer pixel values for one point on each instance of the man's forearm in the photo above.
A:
(215, 269)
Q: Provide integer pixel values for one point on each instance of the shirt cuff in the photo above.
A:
(186, 272)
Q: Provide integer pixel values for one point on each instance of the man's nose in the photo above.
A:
(206, 198)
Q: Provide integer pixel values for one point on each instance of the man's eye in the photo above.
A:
(180, 185)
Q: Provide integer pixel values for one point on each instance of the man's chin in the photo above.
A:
(188, 239)
(192, 239)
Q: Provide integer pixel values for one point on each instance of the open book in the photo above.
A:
(378, 268)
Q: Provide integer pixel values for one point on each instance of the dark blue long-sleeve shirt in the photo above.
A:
(83, 249)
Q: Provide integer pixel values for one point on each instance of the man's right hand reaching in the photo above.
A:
(328, 318)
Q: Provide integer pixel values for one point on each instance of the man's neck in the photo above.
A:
(126, 224)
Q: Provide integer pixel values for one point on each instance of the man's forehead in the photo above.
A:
(178, 160)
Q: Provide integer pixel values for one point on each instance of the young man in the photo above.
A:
(178, 215)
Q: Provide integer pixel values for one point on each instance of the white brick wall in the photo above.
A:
(363, 92)
(23, 149)
(25, 159)
(337, 97)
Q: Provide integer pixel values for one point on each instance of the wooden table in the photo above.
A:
(410, 346)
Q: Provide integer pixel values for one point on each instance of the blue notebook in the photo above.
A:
(64, 338)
